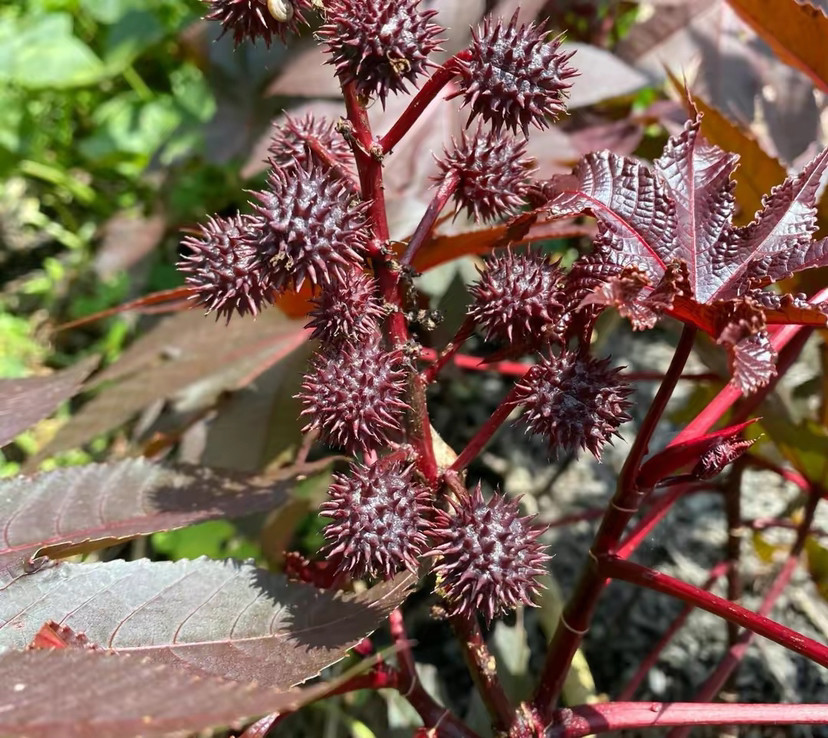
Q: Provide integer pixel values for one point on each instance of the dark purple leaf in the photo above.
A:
(698, 176)
(76, 693)
(650, 223)
(101, 503)
(211, 618)
(183, 349)
(24, 402)
(636, 220)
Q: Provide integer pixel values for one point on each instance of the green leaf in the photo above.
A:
(38, 52)
(127, 39)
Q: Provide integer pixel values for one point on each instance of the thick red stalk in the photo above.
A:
(483, 669)
(652, 657)
(441, 77)
(435, 717)
(577, 615)
(612, 566)
(602, 718)
(369, 165)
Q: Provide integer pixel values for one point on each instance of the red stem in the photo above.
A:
(435, 717)
(485, 432)
(441, 77)
(733, 547)
(789, 475)
(601, 718)
(448, 353)
(780, 338)
(652, 657)
(518, 369)
(612, 566)
(657, 512)
(369, 165)
(716, 681)
(577, 615)
(483, 669)
(426, 224)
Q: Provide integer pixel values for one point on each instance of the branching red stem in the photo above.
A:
(652, 657)
(612, 566)
(441, 77)
(426, 224)
(483, 668)
(369, 165)
(577, 615)
(602, 718)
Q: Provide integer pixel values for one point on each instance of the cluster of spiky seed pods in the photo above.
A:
(309, 226)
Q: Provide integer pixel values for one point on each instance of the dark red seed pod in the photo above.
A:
(488, 557)
(492, 172)
(380, 45)
(347, 310)
(354, 395)
(291, 143)
(519, 299)
(380, 513)
(316, 230)
(515, 77)
(254, 19)
(574, 401)
(226, 269)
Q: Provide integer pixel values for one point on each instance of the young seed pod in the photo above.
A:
(254, 19)
(354, 394)
(492, 173)
(289, 144)
(225, 267)
(315, 228)
(380, 45)
(515, 77)
(519, 299)
(379, 515)
(574, 401)
(488, 557)
(346, 310)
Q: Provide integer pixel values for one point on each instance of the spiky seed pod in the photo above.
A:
(380, 45)
(715, 459)
(316, 230)
(493, 175)
(574, 401)
(515, 77)
(289, 145)
(225, 267)
(254, 19)
(379, 517)
(488, 557)
(354, 395)
(346, 310)
(519, 299)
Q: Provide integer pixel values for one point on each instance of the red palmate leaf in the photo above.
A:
(98, 504)
(680, 213)
(210, 618)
